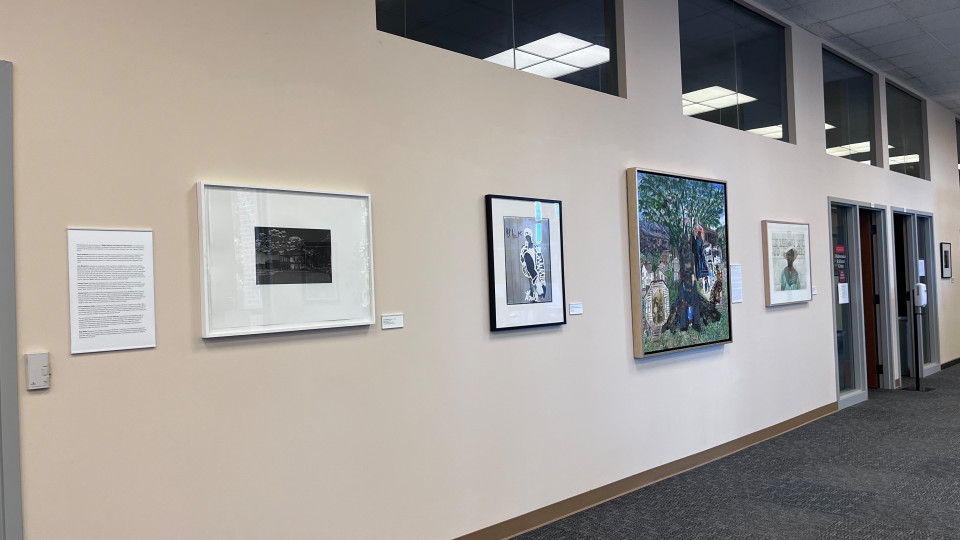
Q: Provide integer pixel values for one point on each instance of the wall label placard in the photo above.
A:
(111, 290)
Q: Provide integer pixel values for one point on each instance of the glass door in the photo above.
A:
(927, 274)
(851, 372)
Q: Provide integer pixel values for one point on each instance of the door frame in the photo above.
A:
(855, 275)
(933, 304)
(11, 514)
(886, 346)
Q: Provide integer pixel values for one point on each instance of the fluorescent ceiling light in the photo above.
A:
(828, 127)
(728, 101)
(586, 58)
(900, 160)
(686, 102)
(556, 45)
(509, 56)
(705, 94)
(847, 149)
(551, 69)
(696, 108)
(774, 132)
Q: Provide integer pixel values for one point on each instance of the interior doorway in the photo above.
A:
(872, 283)
(861, 315)
(915, 267)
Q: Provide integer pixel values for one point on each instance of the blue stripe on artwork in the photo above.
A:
(539, 231)
(539, 214)
(556, 209)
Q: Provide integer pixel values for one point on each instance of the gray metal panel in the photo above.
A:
(11, 516)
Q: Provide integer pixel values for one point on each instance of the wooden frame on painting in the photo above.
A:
(786, 262)
(679, 262)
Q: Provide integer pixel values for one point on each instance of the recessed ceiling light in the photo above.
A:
(551, 69)
(555, 45)
(901, 160)
(510, 56)
(696, 108)
(828, 127)
(728, 101)
(704, 94)
(586, 58)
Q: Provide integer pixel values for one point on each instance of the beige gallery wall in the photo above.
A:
(441, 428)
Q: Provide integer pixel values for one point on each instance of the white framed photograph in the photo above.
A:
(786, 262)
(525, 258)
(282, 260)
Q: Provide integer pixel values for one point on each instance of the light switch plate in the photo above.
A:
(38, 371)
(814, 290)
(576, 308)
(392, 321)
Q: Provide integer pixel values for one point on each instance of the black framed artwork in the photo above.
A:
(525, 262)
(946, 260)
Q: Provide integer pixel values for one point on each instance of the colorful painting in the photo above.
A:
(679, 262)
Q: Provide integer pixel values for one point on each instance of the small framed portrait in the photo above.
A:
(946, 260)
(525, 261)
(786, 262)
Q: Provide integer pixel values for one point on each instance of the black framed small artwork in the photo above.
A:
(525, 262)
(946, 262)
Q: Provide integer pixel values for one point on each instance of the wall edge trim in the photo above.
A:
(548, 514)
(949, 364)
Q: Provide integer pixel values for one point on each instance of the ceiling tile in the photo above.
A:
(905, 46)
(824, 30)
(798, 16)
(845, 43)
(947, 36)
(887, 33)
(920, 58)
(941, 21)
(865, 20)
(919, 8)
(832, 9)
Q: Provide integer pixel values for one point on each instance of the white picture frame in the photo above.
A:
(282, 260)
(781, 286)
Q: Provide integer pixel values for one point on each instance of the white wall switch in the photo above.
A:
(814, 290)
(576, 308)
(389, 322)
(38, 371)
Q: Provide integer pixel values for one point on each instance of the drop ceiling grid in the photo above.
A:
(915, 41)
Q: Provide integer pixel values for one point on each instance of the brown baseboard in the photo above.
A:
(577, 503)
(950, 364)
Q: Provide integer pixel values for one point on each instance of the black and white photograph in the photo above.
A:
(286, 256)
(525, 257)
(526, 246)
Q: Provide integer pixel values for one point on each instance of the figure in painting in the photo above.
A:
(790, 278)
(531, 264)
(703, 272)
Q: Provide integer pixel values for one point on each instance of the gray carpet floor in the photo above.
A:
(888, 468)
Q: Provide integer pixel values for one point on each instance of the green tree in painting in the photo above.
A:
(666, 201)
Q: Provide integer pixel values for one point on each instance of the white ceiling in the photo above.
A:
(917, 42)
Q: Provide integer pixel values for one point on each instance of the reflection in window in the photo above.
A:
(905, 131)
(733, 62)
(568, 40)
(848, 104)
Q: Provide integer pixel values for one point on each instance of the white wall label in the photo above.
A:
(111, 290)
(576, 308)
(736, 284)
(814, 290)
(389, 322)
(922, 267)
(843, 293)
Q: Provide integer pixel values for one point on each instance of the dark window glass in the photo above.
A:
(733, 63)
(848, 103)
(568, 40)
(905, 131)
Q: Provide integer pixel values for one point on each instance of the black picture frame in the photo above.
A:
(526, 277)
